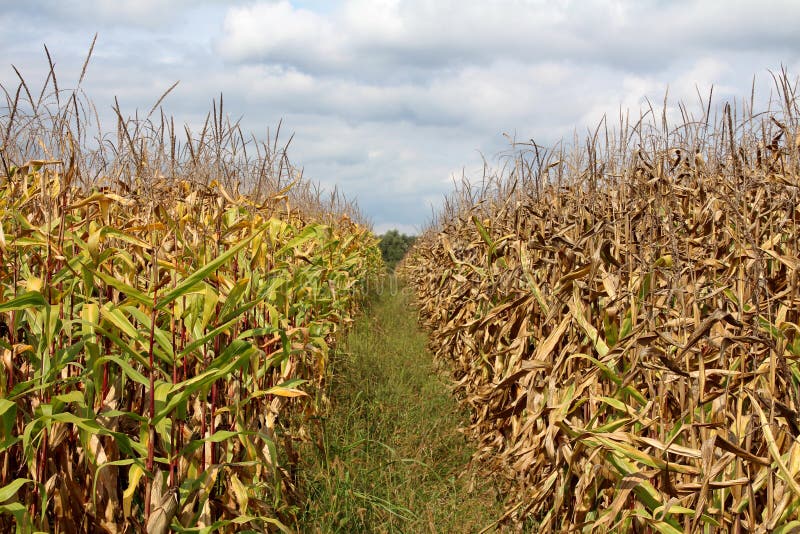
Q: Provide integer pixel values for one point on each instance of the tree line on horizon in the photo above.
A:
(394, 246)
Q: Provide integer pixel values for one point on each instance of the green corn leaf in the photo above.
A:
(20, 513)
(196, 344)
(187, 284)
(11, 489)
(128, 291)
(787, 528)
(300, 239)
(217, 437)
(483, 232)
(73, 397)
(127, 368)
(116, 317)
(231, 308)
(235, 355)
(124, 442)
(30, 299)
(664, 527)
(8, 414)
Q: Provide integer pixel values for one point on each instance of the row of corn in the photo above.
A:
(623, 320)
(164, 339)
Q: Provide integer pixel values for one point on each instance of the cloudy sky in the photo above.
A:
(389, 99)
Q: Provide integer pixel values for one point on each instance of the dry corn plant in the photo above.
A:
(622, 319)
(167, 304)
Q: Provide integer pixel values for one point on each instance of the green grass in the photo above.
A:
(390, 457)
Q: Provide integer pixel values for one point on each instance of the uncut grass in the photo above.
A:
(391, 458)
(167, 303)
(621, 318)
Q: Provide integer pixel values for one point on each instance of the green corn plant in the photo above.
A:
(164, 339)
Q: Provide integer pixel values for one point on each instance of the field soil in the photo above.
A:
(390, 457)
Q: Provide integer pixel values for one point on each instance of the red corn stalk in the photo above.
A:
(173, 455)
(152, 399)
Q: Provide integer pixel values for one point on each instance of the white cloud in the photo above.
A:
(281, 34)
(390, 98)
(100, 14)
(377, 36)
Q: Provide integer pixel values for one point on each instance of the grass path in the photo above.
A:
(391, 455)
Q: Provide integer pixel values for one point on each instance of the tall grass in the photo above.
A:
(390, 457)
(621, 318)
(167, 304)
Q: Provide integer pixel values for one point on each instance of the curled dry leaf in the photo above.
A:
(609, 357)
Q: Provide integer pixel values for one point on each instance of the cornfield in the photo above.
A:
(168, 300)
(621, 316)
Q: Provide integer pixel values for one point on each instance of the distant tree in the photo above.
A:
(394, 246)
